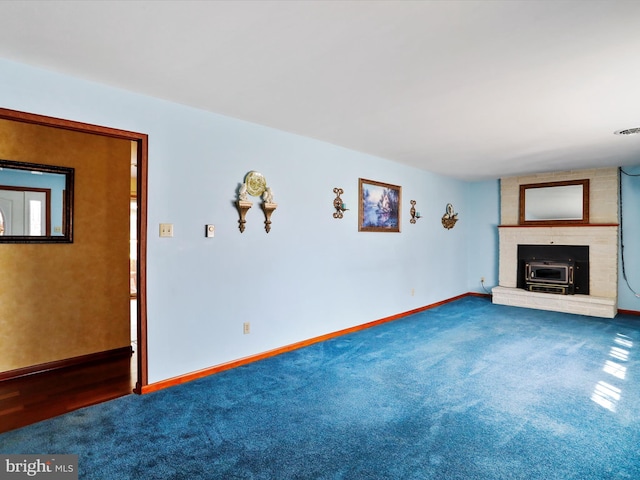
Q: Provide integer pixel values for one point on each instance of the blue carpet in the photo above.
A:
(468, 390)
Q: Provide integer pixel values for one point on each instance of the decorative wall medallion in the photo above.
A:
(256, 183)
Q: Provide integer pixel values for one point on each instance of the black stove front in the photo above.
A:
(559, 269)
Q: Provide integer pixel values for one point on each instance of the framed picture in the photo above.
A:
(379, 206)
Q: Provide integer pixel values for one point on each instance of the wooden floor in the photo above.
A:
(32, 398)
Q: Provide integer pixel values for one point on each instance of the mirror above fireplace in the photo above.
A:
(554, 203)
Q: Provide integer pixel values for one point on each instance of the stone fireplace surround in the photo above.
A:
(601, 235)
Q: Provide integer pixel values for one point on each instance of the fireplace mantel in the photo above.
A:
(560, 225)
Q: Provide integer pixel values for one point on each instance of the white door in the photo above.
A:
(24, 213)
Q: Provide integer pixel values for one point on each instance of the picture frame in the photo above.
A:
(379, 206)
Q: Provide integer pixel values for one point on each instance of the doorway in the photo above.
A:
(137, 256)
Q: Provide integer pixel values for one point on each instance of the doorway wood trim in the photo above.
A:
(141, 140)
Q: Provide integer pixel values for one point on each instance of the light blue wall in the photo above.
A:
(483, 203)
(312, 274)
(631, 238)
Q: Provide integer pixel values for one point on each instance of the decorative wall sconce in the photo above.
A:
(268, 207)
(449, 219)
(414, 215)
(243, 208)
(338, 204)
(268, 210)
(255, 185)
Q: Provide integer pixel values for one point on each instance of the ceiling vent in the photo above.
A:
(628, 131)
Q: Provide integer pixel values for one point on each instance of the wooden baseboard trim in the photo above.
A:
(629, 312)
(482, 295)
(107, 355)
(170, 382)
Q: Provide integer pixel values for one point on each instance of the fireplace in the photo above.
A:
(595, 273)
(595, 282)
(559, 269)
(550, 277)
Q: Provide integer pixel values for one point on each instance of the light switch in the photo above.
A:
(209, 231)
(166, 229)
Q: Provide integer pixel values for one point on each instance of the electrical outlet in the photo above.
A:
(166, 229)
(246, 328)
(481, 279)
(413, 292)
(209, 231)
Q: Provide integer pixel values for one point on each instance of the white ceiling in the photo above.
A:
(469, 89)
